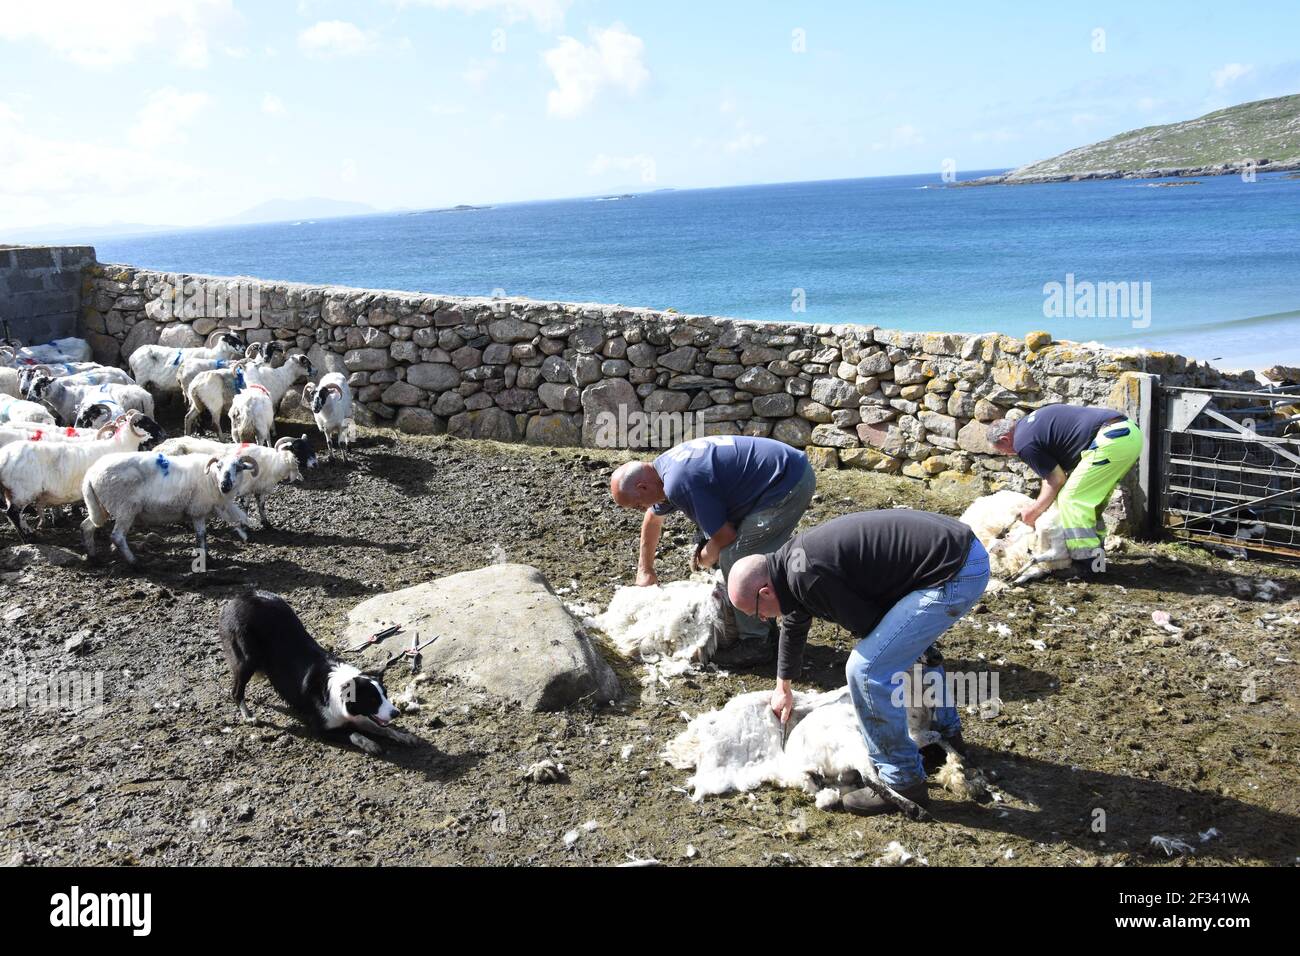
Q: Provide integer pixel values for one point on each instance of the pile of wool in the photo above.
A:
(677, 621)
(1017, 552)
(743, 746)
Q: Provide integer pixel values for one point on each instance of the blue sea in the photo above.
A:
(1222, 257)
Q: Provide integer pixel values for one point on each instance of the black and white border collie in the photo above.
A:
(260, 634)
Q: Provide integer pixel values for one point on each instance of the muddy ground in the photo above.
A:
(1169, 735)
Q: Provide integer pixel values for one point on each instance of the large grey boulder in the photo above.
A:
(605, 406)
(500, 628)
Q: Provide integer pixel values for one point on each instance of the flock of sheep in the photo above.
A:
(75, 431)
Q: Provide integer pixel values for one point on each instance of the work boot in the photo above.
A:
(753, 652)
(1088, 569)
(867, 803)
(933, 756)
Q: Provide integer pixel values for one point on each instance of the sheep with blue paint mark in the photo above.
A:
(159, 489)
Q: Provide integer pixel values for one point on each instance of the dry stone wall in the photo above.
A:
(854, 396)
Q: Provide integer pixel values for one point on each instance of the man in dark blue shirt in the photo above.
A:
(746, 496)
(1080, 454)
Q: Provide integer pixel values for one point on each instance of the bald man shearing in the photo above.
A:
(894, 579)
(745, 495)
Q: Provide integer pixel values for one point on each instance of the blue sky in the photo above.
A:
(186, 111)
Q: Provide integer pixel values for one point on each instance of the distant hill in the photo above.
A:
(1265, 133)
(288, 210)
(69, 233)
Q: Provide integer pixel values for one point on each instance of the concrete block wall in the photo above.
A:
(40, 290)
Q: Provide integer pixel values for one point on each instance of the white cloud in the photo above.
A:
(641, 164)
(581, 71)
(272, 105)
(901, 137)
(335, 38)
(45, 177)
(1229, 73)
(478, 72)
(546, 14)
(745, 140)
(348, 170)
(446, 109)
(104, 33)
(165, 118)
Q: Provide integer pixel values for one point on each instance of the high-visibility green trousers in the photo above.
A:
(1087, 490)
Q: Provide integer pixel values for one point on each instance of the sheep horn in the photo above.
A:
(247, 462)
(111, 428)
(211, 462)
(283, 443)
(134, 415)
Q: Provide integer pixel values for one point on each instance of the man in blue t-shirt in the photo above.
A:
(1081, 454)
(745, 495)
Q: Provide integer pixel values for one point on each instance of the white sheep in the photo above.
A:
(1017, 552)
(18, 410)
(47, 474)
(17, 380)
(276, 381)
(68, 399)
(153, 488)
(60, 350)
(744, 746)
(282, 463)
(330, 402)
(252, 416)
(214, 392)
(32, 431)
(192, 366)
(160, 365)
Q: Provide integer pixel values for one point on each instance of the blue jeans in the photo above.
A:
(902, 636)
(763, 531)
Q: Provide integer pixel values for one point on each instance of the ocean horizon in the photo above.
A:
(1209, 268)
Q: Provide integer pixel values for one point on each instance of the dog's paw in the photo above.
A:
(403, 738)
(362, 742)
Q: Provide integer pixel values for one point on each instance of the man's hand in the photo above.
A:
(783, 700)
(646, 579)
(702, 559)
(1029, 514)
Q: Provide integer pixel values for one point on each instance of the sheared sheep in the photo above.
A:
(160, 365)
(330, 402)
(1017, 552)
(252, 415)
(743, 745)
(159, 490)
(282, 463)
(49, 474)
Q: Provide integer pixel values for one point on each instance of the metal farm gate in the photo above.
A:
(1229, 468)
